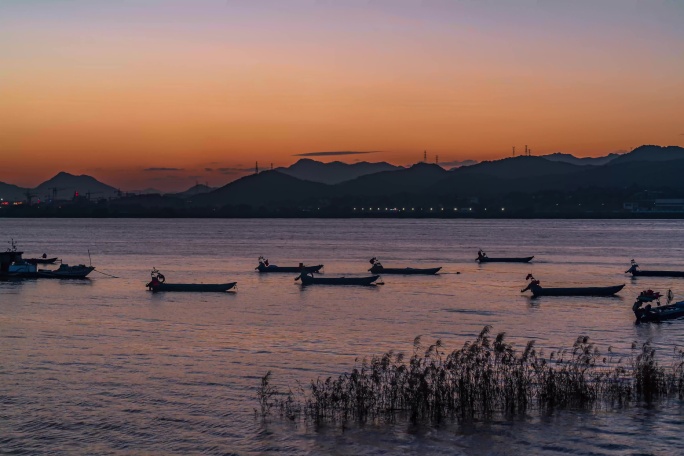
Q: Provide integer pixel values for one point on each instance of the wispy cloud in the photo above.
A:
(162, 169)
(336, 153)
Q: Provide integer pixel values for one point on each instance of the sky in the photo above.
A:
(164, 93)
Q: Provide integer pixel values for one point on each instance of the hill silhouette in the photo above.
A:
(652, 154)
(521, 166)
(10, 192)
(568, 158)
(265, 188)
(414, 179)
(68, 184)
(196, 189)
(334, 172)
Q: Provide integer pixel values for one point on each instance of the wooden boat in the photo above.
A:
(636, 272)
(66, 272)
(658, 313)
(158, 283)
(264, 266)
(192, 287)
(41, 260)
(483, 258)
(575, 291)
(537, 290)
(378, 268)
(309, 279)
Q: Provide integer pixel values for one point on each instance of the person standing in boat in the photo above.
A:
(533, 283)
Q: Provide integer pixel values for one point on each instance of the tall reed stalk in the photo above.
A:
(484, 377)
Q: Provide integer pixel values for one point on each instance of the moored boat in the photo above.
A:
(12, 264)
(659, 313)
(636, 272)
(537, 290)
(378, 268)
(193, 287)
(65, 271)
(265, 266)
(158, 283)
(308, 278)
(483, 258)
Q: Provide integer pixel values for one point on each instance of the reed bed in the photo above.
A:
(483, 378)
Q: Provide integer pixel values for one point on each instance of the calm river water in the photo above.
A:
(101, 366)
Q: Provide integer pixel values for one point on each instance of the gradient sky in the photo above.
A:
(163, 93)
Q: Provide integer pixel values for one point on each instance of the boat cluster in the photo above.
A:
(14, 265)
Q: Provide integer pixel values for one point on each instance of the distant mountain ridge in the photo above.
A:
(196, 189)
(311, 181)
(513, 174)
(568, 158)
(334, 172)
(651, 153)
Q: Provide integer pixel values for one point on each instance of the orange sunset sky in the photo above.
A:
(203, 89)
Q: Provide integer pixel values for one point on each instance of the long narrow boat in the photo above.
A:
(158, 283)
(537, 290)
(483, 258)
(575, 291)
(192, 287)
(264, 266)
(378, 268)
(636, 272)
(309, 279)
(274, 268)
(405, 271)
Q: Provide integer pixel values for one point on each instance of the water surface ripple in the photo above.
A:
(101, 366)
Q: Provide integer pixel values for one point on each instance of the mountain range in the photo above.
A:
(642, 168)
(308, 182)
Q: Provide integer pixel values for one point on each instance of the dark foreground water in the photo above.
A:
(101, 366)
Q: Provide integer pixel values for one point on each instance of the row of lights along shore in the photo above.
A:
(403, 209)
